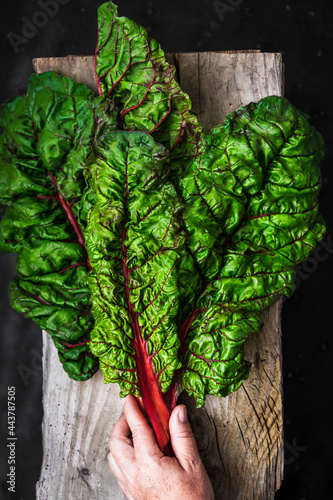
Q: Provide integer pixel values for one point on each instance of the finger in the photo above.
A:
(144, 440)
(121, 479)
(122, 431)
(120, 444)
(114, 468)
(182, 439)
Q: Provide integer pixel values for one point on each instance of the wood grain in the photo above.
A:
(240, 437)
(77, 424)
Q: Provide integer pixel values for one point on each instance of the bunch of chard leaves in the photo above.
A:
(145, 245)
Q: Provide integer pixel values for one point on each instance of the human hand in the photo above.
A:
(144, 472)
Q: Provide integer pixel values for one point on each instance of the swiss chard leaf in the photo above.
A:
(176, 241)
(132, 238)
(252, 214)
(131, 68)
(249, 192)
(48, 136)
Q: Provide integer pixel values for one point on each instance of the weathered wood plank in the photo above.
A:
(241, 436)
(77, 423)
(219, 83)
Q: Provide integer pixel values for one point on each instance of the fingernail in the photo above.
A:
(182, 415)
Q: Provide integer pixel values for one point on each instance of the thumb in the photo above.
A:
(182, 439)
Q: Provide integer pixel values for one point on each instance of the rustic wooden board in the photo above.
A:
(240, 437)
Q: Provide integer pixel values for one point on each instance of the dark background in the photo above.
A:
(302, 32)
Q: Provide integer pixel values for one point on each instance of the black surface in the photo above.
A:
(302, 32)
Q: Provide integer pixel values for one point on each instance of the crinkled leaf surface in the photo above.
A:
(189, 236)
(131, 69)
(249, 191)
(48, 135)
(251, 214)
(132, 238)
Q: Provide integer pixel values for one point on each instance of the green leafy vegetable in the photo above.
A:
(249, 191)
(132, 239)
(47, 139)
(251, 213)
(131, 69)
(154, 248)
